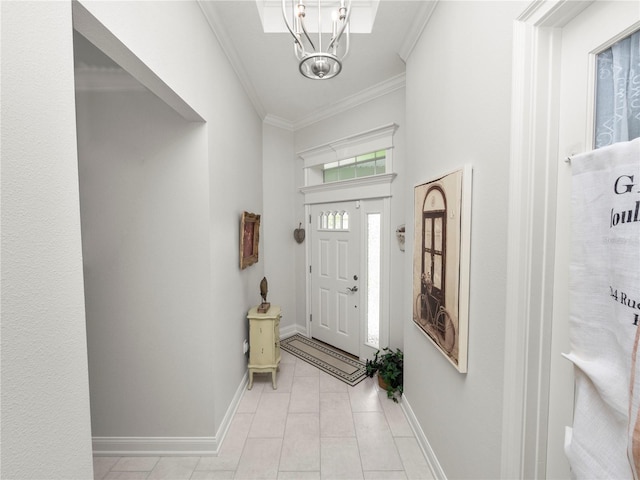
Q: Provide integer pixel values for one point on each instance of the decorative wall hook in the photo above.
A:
(299, 234)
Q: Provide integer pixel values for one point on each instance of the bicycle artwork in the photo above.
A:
(441, 256)
(436, 321)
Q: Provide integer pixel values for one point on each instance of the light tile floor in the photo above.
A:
(312, 427)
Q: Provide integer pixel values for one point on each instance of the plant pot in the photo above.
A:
(383, 385)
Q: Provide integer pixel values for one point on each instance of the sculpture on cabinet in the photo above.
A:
(264, 289)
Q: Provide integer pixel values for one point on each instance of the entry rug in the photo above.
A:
(341, 366)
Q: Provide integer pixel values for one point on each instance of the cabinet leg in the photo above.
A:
(250, 379)
(273, 378)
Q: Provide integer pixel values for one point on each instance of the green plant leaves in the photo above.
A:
(389, 365)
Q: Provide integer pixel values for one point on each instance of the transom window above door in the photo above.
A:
(355, 167)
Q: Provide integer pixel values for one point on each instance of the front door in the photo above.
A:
(335, 275)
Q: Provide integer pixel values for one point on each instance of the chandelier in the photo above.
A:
(316, 63)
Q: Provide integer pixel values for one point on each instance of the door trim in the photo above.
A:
(531, 233)
(532, 217)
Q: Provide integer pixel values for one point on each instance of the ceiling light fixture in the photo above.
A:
(314, 62)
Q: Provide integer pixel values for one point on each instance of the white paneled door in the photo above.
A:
(335, 275)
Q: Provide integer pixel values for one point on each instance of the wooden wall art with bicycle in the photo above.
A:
(441, 263)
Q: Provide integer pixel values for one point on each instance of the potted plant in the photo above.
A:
(388, 364)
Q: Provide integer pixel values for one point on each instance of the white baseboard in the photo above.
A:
(171, 446)
(432, 460)
(161, 446)
(291, 330)
(231, 411)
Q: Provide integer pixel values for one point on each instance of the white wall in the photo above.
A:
(174, 40)
(144, 209)
(45, 415)
(279, 222)
(389, 108)
(45, 394)
(458, 111)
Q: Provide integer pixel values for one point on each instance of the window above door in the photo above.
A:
(356, 167)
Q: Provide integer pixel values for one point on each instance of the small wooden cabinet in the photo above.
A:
(264, 342)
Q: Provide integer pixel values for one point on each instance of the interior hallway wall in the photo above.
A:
(383, 110)
(45, 394)
(458, 112)
(144, 210)
(278, 223)
(174, 40)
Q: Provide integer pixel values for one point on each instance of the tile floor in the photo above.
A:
(312, 427)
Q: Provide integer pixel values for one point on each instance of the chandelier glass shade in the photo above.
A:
(316, 63)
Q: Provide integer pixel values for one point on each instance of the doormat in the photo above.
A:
(338, 364)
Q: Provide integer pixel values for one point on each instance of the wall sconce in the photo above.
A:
(299, 234)
(400, 237)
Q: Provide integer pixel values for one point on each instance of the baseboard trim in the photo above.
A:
(161, 446)
(432, 460)
(231, 411)
(171, 446)
(291, 330)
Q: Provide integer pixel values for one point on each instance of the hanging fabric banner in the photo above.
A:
(605, 311)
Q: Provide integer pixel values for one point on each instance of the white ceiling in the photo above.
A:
(268, 69)
(269, 72)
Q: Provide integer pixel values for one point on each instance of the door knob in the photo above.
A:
(353, 289)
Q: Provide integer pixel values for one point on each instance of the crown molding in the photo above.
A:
(417, 27)
(225, 43)
(279, 122)
(383, 88)
(371, 93)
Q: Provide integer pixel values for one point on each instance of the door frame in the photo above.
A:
(537, 40)
(364, 350)
(363, 188)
